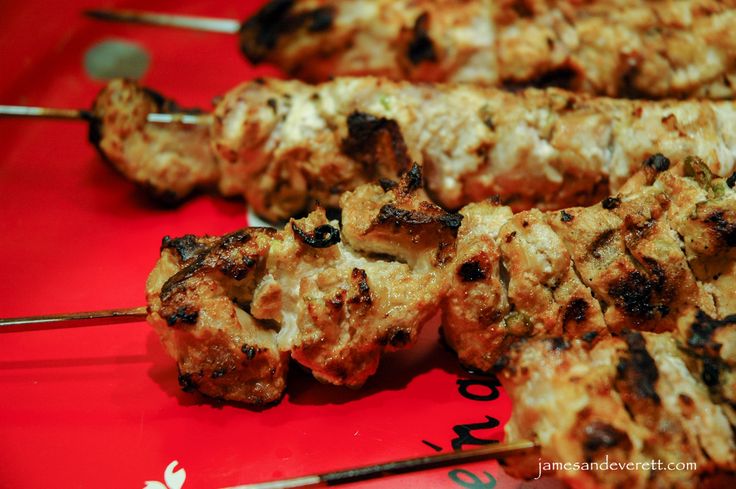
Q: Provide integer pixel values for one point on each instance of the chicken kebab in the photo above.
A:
(286, 145)
(611, 327)
(629, 48)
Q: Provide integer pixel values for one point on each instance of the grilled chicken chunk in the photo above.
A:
(286, 145)
(232, 310)
(169, 160)
(637, 260)
(635, 48)
(632, 399)
(334, 299)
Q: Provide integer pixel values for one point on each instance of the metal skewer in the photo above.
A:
(85, 115)
(396, 467)
(208, 24)
(72, 320)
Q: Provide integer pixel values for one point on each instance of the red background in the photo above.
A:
(100, 406)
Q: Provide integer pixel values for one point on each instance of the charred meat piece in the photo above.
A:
(632, 48)
(232, 311)
(169, 161)
(588, 272)
(628, 399)
(286, 146)
(334, 298)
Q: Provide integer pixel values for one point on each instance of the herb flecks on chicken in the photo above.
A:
(286, 145)
(233, 310)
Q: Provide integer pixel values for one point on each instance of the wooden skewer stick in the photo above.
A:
(396, 467)
(85, 115)
(72, 320)
(208, 24)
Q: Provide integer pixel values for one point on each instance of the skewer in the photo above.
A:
(72, 320)
(208, 24)
(85, 115)
(338, 477)
(396, 467)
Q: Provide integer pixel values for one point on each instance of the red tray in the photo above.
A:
(100, 406)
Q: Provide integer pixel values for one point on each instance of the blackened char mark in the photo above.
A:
(473, 270)
(228, 256)
(396, 337)
(260, 33)
(360, 280)
(562, 77)
(230, 261)
(402, 217)
(376, 143)
(323, 236)
(387, 184)
(599, 435)
(602, 241)
(412, 180)
(658, 161)
(565, 217)
(610, 203)
(188, 246)
(731, 181)
(637, 369)
(421, 46)
(186, 382)
(703, 328)
(183, 315)
(559, 344)
(522, 8)
(725, 230)
(705, 347)
(575, 310)
(634, 293)
(589, 336)
(249, 351)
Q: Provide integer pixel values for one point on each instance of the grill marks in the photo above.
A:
(260, 34)
(421, 47)
(227, 262)
(705, 345)
(637, 373)
(188, 246)
(377, 143)
(322, 236)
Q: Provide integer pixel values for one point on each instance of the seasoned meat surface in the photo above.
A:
(629, 48)
(601, 322)
(170, 160)
(634, 261)
(232, 310)
(630, 399)
(333, 298)
(285, 145)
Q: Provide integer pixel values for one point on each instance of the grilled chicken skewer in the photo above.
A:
(641, 400)
(611, 327)
(286, 145)
(636, 48)
(233, 309)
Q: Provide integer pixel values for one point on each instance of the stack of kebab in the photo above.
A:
(518, 293)
(611, 327)
(285, 145)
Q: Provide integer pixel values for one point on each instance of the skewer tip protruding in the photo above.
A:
(207, 24)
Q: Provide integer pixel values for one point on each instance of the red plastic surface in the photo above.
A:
(100, 406)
